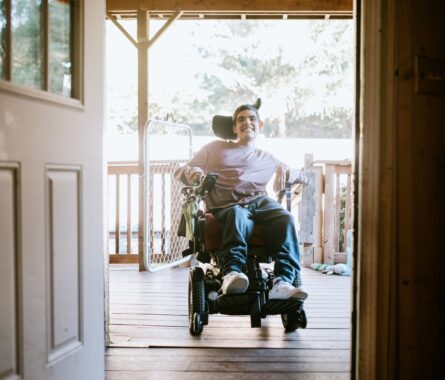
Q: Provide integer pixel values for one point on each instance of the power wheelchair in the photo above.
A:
(204, 295)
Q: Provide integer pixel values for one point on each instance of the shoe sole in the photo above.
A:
(239, 285)
(299, 296)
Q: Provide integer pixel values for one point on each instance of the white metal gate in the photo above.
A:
(167, 146)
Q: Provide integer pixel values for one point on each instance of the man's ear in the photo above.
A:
(261, 124)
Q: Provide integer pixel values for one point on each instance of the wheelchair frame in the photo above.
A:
(204, 285)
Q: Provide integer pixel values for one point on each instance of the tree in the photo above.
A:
(306, 84)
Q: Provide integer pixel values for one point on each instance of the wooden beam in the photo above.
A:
(164, 28)
(288, 6)
(122, 29)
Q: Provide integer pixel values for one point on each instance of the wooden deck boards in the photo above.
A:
(150, 338)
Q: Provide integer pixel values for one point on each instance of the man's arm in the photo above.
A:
(285, 174)
(193, 170)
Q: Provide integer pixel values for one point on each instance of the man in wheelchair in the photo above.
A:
(238, 201)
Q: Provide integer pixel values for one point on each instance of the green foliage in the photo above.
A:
(26, 43)
(301, 69)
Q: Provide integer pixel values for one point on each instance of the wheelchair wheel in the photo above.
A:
(196, 325)
(196, 300)
(294, 320)
(302, 319)
(255, 314)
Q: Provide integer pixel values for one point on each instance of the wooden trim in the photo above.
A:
(356, 173)
(368, 191)
(333, 162)
(123, 258)
(123, 169)
(377, 237)
(231, 5)
(8, 39)
(44, 19)
(41, 95)
(78, 50)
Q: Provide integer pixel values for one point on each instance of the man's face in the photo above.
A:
(247, 125)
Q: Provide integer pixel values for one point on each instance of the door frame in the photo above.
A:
(375, 204)
(375, 323)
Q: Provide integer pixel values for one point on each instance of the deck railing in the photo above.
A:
(164, 212)
(123, 200)
(330, 217)
(328, 209)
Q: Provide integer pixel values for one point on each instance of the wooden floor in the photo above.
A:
(149, 337)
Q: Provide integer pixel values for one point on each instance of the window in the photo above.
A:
(38, 44)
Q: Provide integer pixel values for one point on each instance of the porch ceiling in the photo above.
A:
(234, 9)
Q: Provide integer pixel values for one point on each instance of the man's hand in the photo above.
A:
(196, 175)
(305, 179)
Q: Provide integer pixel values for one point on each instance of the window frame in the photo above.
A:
(76, 99)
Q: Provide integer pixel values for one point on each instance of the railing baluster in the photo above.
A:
(337, 213)
(117, 170)
(348, 210)
(129, 232)
(117, 222)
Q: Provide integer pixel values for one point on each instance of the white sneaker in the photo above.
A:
(283, 290)
(234, 282)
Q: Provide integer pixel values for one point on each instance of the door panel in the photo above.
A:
(63, 263)
(51, 223)
(9, 295)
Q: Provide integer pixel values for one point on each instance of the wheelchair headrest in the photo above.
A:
(223, 125)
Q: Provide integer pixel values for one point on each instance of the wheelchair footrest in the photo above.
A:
(236, 304)
(274, 307)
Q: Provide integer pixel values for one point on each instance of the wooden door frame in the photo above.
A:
(375, 321)
(375, 184)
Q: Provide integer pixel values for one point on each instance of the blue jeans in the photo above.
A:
(277, 231)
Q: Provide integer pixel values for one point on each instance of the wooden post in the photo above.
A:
(308, 205)
(142, 38)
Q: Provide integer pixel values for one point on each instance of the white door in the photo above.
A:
(51, 185)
